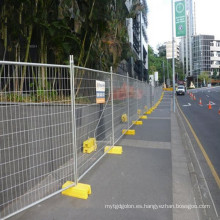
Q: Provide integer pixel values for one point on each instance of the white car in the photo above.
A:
(180, 90)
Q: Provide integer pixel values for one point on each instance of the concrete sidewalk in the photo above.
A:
(147, 181)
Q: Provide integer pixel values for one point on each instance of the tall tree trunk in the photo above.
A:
(5, 39)
(18, 53)
(26, 57)
(15, 78)
(43, 60)
(30, 31)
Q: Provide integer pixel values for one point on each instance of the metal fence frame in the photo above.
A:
(124, 95)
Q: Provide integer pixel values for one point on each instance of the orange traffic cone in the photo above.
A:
(219, 111)
(210, 107)
(194, 97)
(200, 101)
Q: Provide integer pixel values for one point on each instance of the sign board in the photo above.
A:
(100, 92)
(156, 76)
(180, 18)
(169, 50)
(168, 82)
(151, 80)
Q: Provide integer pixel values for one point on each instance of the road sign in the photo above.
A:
(180, 18)
(169, 50)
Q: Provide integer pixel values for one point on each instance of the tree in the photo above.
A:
(94, 31)
(204, 77)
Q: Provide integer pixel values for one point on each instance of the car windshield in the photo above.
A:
(180, 87)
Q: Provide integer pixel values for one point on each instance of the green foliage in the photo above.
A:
(156, 64)
(204, 76)
(94, 31)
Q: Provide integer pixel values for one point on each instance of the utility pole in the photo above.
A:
(173, 41)
(167, 74)
(163, 75)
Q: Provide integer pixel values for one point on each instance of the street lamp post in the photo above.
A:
(173, 59)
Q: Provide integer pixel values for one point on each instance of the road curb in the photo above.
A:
(182, 186)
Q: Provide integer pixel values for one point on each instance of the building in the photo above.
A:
(137, 34)
(201, 53)
(215, 57)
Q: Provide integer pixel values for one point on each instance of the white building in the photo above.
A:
(215, 56)
(202, 53)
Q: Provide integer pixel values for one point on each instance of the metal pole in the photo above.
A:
(151, 96)
(190, 38)
(137, 93)
(173, 40)
(73, 113)
(163, 75)
(112, 101)
(141, 45)
(168, 77)
(128, 87)
(187, 49)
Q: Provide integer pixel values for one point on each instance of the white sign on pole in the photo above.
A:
(151, 80)
(156, 76)
(169, 50)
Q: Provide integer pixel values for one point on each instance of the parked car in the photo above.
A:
(180, 90)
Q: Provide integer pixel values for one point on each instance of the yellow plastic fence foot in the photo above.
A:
(81, 191)
(128, 132)
(114, 150)
(124, 118)
(137, 122)
(89, 145)
(139, 111)
(148, 112)
(143, 117)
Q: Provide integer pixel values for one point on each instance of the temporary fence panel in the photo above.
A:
(157, 93)
(93, 116)
(36, 133)
(133, 102)
(55, 122)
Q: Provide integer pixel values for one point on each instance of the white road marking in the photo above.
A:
(187, 105)
(211, 103)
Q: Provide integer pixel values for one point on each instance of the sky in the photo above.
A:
(160, 20)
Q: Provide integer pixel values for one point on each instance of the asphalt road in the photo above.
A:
(206, 124)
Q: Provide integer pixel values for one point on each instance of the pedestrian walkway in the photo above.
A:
(147, 181)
